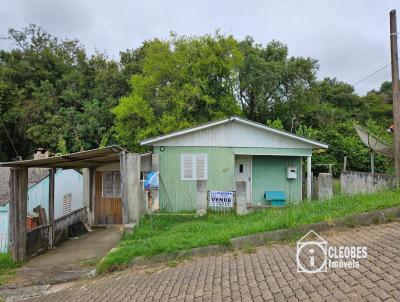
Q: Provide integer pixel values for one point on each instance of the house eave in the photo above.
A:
(157, 139)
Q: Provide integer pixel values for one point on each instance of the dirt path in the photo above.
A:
(71, 260)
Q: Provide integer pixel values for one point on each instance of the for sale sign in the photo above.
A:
(221, 199)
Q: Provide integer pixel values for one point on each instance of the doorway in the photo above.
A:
(108, 203)
(243, 170)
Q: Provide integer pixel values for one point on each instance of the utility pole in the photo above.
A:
(396, 94)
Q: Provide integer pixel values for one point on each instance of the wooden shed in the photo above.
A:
(112, 192)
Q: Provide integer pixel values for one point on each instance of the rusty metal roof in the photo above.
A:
(83, 159)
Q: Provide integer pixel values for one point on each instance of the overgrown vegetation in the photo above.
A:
(54, 95)
(170, 233)
(7, 267)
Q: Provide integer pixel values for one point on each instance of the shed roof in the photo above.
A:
(83, 159)
(287, 135)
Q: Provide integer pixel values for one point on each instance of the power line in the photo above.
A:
(9, 138)
(371, 75)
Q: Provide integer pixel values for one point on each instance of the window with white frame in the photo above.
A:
(67, 204)
(194, 166)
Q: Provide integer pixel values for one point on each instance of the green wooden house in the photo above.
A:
(227, 151)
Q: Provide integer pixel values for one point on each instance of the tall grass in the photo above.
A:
(6, 262)
(170, 233)
(7, 267)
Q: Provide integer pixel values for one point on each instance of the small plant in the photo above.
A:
(249, 249)
(350, 222)
(376, 220)
(177, 261)
(90, 262)
(330, 221)
(173, 263)
(235, 253)
(7, 268)
(390, 217)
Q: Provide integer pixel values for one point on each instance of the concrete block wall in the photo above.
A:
(361, 182)
(324, 186)
(241, 207)
(201, 197)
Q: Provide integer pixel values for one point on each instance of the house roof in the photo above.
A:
(243, 121)
(83, 159)
(34, 177)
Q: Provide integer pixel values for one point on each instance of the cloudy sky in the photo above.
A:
(349, 38)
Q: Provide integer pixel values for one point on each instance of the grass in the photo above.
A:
(336, 186)
(170, 233)
(7, 267)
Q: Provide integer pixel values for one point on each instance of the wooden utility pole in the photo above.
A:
(396, 94)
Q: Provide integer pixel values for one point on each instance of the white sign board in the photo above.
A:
(221, 199)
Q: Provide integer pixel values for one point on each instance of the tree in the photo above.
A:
(53, 95)
(184, 82)
(270, 81)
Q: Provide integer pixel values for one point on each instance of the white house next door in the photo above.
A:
(243, 172)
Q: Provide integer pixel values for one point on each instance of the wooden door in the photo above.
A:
(108, 210)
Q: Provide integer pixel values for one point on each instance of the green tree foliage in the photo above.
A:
(272, 84)
(54, 95)
(184, 82)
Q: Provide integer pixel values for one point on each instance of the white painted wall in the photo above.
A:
(4, 228)
(66, 182)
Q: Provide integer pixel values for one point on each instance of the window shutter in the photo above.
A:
(201, 166)
(67, 204)
(187, 166)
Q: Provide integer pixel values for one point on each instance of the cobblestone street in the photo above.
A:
(269, 273)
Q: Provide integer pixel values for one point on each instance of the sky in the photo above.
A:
(349, 38)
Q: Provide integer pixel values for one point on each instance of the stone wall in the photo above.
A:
(362, 182)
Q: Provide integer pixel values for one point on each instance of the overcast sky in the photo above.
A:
(349, 38)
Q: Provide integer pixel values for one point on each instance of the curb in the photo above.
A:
(260, 239)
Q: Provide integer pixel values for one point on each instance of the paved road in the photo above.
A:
(267, 274)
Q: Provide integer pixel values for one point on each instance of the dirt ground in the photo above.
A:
(70, 260)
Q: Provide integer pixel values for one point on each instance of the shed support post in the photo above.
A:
(51, 207)
(309, 177)
(17, 211)
(133, 188)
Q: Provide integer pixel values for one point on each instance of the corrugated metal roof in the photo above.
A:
(83, 159)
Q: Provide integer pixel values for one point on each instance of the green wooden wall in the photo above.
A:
(270, 174)
(180, 195)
